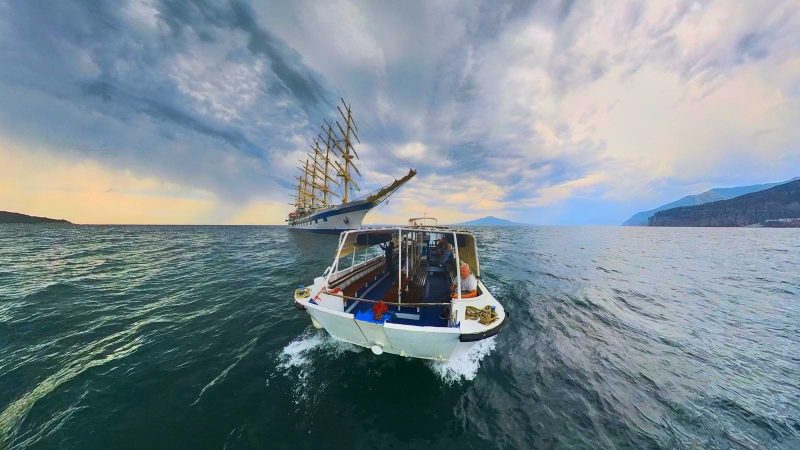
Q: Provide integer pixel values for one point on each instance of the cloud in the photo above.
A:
(82, 191)
(163, 88)
(41, 184)
(561, 191)
(646, 100)
(532, 110)
(412, 150)
(448, 199)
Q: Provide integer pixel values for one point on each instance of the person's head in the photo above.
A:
(465, 270)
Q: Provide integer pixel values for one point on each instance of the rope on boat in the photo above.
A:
(302, 293)
(485, 316)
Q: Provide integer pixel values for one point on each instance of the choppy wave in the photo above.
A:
(463, 366)
(300, 352)
(99, 354)
(314, 346)
(185, 337)
(300, 359)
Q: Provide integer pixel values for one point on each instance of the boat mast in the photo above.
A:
(330, 142)
(313, 174)
(298, 200)
(304, 183)
(301, 197)
(348, 153)
(322, 174)
(314, 177)
(327, 158)
(324, 170)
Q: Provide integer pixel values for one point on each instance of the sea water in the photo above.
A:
(186, 337)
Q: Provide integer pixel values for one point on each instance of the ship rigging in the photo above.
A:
(329, 174)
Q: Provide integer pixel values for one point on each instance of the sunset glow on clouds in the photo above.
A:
(543, 112)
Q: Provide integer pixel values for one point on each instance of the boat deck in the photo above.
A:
(429, 285)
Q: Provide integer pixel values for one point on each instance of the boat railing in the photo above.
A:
(360, 299)
(353, 272)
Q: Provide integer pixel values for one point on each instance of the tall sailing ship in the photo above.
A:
(330, 174)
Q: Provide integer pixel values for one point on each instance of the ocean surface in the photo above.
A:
(117, 337)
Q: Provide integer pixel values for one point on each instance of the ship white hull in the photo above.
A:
(334, 219)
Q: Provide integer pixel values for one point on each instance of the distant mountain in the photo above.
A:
(12, 217)
(490, 221)
(767, 206)
(713, 195)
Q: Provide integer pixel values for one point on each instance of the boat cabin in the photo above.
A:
(405, 270)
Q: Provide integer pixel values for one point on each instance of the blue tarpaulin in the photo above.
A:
(368, 316)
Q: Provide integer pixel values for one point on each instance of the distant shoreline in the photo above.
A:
(7, 217)
(12, 217)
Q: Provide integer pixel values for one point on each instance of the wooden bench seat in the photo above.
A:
(357, 276)
(355, 285)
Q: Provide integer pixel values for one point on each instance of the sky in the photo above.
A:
(544, 112)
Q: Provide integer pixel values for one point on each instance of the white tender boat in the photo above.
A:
(405, 307)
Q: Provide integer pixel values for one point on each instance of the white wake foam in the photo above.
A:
(465, 365)
(297, 359)
(302, 349)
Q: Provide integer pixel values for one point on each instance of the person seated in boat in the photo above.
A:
(446, 256)
(388, 254)
(441, 246)
(469, 284)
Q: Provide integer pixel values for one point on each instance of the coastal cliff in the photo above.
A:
(711, 195)
(779, 202)
(12, 217)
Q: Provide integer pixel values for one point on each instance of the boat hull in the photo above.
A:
(426, 342)
(334, 219)
(435, 343)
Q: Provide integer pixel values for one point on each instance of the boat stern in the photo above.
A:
(481, 317)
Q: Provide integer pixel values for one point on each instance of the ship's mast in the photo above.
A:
(331, 143)
(320, 173)
(348, 153)
(298, 200)
(327, 159)
(313, 174)
(315, 181)
(307, 197)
